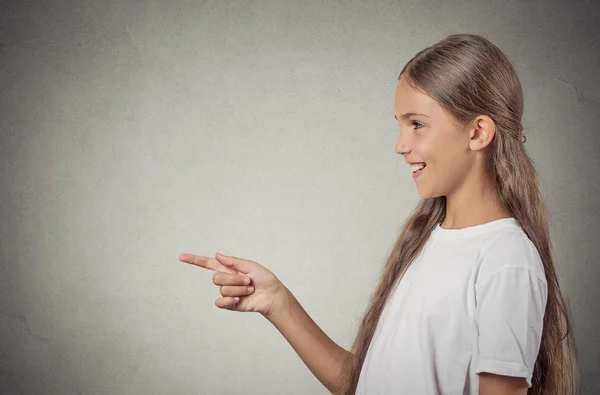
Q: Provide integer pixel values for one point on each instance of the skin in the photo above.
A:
(276, 303)
(455, 157)
(237, 277)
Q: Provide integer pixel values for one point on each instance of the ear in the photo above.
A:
(482, 132)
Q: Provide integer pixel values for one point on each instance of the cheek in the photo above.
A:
(433, 154)
(443, 166)
(449, 170)
(441, 150)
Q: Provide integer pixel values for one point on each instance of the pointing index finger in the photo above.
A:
(205, 262)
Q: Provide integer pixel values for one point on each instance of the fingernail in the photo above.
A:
(246, 280)
(237, 299)
(250, 289)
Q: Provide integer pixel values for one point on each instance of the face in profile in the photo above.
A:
(430, 136)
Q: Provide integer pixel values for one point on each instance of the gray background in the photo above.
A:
(132, 132)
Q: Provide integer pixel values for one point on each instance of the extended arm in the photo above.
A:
(321, 355)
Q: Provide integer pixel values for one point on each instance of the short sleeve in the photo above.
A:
(509, 315)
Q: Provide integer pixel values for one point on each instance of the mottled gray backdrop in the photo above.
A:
(134, 131)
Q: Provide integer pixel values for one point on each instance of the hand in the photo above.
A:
(268, 295)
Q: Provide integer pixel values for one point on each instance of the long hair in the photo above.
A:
(468, 76)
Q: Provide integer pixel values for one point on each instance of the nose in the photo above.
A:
(402, 146)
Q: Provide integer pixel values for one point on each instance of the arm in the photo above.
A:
(321, 355)
(492, 384)
(509, 316)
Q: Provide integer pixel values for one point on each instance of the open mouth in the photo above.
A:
(418, 166)
(418, 169)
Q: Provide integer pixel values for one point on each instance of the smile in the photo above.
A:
(418, 173)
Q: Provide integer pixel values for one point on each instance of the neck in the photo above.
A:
(474, 203)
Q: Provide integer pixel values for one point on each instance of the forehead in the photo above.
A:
(408, 99)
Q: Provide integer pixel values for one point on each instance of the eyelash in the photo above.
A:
(415, 122)
(418, 123)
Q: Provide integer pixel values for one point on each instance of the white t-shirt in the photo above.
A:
(472, 301)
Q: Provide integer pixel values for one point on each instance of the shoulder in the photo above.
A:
(509, 249)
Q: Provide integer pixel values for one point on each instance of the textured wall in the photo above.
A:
(132, 132)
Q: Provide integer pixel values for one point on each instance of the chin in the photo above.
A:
(428, 195)
(424, 196)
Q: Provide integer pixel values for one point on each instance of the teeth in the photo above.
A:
(417, 167)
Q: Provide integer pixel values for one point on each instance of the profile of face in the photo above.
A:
(430, 135)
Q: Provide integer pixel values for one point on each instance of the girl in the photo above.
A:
(469, 301)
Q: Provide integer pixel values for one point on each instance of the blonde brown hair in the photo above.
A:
(468, 76)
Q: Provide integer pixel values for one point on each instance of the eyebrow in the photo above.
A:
(410, 114)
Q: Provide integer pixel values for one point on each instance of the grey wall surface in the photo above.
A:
(132, 132)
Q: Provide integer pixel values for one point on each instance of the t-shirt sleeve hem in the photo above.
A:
(503, 368)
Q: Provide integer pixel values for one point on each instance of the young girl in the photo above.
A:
(469, 301)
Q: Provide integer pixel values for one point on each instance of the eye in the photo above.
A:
(417, 123)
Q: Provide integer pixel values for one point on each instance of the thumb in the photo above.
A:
(239, 264)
